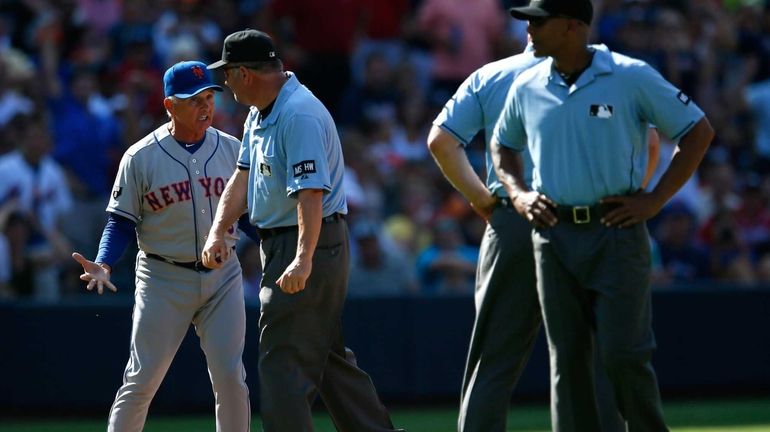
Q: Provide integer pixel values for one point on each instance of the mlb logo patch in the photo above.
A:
(602, 111)
(116, 192)
(304, 167)
(683, 98)
(265, 170)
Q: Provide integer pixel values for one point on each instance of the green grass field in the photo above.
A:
(684, 416)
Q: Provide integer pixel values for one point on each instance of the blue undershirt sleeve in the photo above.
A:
(247, 228)
(117, 233)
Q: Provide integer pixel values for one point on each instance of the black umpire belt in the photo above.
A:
(266, 233)
(580, 215)
(192, 265)
(504, 202)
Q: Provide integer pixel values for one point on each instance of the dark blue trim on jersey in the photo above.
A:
(633, 168)
(685, 130)
(205, 173)
(125, 214)
(247, 228)
(192, 193)
(454, 134)
(193, 148)
(117, 233)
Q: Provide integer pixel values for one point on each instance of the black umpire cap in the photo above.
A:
(247, 46)
(581, 10)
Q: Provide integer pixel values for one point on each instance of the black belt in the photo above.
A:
(266, 233)
(582, 214)
(192, 265)
(574, 214)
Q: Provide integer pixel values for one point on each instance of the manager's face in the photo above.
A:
(195, 113)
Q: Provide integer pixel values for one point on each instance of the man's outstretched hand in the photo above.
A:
(97, 275)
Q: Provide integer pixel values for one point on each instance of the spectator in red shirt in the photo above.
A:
(316, 39)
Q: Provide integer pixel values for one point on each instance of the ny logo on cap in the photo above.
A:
(198, 72)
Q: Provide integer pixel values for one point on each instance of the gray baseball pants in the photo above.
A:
(167, 299)
(301, 349)
(594, 284)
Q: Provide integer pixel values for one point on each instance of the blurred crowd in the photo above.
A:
(81, 80)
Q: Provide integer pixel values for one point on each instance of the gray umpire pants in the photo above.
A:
(168, 299)
(301, 349)
(507, 322)
(506, 325)
(594, 282)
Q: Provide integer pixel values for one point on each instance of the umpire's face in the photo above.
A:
(549, 34)
(235, 75)
(194, 114)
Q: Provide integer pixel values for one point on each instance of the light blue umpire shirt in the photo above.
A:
(477, 103)
(589, 140)
(296, 147)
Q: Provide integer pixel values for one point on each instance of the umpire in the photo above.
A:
(289, 178)
(507, 308)
(583, 114)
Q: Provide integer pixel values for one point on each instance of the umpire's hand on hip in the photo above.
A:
(536, 208)
(629, 210)
(215, 252)
(484, 204)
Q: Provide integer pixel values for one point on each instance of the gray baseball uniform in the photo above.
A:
(171, 195)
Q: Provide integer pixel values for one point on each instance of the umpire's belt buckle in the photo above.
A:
(581, 214)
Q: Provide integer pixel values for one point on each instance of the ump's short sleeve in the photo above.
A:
(664, 105)
(244, 154)
(127, 192)
(306, 159)
(509, 130)
(463, 115)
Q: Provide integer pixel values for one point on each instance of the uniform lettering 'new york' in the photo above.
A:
(178, 192)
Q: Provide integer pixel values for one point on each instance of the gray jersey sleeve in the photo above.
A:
(127, 192)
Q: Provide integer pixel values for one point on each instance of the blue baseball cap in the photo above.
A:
(186, 79)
